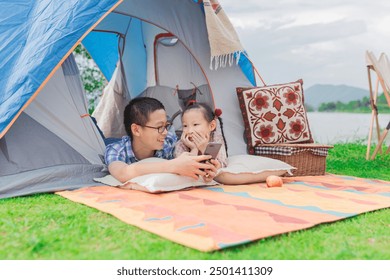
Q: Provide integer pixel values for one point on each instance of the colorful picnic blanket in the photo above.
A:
(216, 217)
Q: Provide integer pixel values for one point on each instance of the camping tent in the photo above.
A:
(48, 142)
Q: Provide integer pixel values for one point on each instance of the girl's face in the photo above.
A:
(195, 121)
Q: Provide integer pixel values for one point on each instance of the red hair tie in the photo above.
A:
(218, 112)
(191, 102)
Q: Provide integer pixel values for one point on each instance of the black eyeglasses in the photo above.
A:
(160, 129)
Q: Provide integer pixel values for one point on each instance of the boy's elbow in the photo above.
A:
(123, 178)
(121, 171)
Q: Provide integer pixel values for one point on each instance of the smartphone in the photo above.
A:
(212, 149)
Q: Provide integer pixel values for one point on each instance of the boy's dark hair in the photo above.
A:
(208, 114)
(138, 111)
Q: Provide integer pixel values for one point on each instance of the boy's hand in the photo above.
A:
(191, 166)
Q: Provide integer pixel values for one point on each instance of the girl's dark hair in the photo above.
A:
(208, 114)
(138, 111)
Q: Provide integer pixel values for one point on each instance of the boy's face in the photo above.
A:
(150, 137)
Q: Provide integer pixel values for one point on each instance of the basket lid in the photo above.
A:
(291, 149)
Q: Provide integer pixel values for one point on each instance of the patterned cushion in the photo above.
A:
(274, 114)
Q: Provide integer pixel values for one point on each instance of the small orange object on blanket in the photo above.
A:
(274, 181)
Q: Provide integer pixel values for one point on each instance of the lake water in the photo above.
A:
(331, 128)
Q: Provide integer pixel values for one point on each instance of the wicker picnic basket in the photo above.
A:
(308, 159)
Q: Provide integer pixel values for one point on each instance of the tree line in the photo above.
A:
(355, 106)
(93, 80)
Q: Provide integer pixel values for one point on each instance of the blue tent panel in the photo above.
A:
(247, 69)
(134, 57)
(35, 35)
(103, 47)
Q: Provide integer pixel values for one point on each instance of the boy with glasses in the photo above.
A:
(148, 136)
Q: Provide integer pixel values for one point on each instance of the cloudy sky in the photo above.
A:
(322, 42)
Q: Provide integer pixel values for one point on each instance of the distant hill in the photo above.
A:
(317, 94)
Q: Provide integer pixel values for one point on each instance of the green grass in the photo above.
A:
(51, 227)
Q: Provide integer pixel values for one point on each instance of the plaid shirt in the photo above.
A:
(123, 151)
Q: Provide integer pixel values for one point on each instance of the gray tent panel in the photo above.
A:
(51, 146)
(29, 146)
(34, 160)
(50, 179)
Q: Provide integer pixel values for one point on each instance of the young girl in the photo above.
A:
(199, 124)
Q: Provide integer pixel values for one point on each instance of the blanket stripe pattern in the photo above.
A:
(217, 217)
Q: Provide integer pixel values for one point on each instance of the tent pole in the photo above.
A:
(374, 112)
(378, 129)
(381, 141)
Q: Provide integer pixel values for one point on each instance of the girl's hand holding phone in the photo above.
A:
(211, 173)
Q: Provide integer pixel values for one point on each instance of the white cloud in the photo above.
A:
(321, 42)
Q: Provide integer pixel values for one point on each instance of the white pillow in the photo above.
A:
(155, 182)
(246, 169)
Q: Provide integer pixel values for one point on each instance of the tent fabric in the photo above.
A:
(51, 147)
(381, 67)
(186, 21)
(165, 58)
(28, 145)
(106, 52)
(34, 160)
(61, 108)
(35, 35)
(384, 66)
(42, 99)
(109, 111)
(49, 179)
